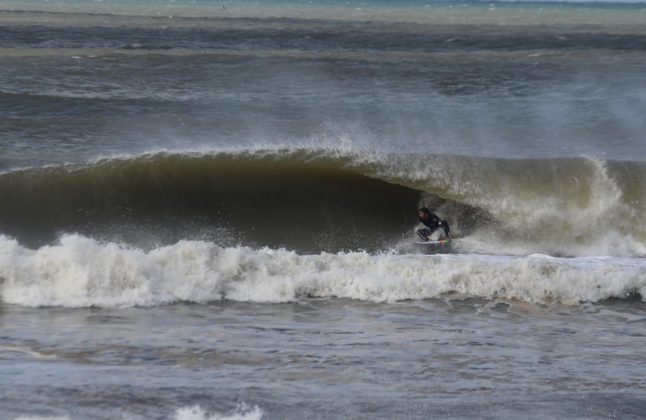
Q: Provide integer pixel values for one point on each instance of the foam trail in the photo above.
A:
(80, 272)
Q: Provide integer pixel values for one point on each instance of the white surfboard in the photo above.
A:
(439, 243)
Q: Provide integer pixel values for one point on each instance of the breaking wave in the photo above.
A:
(282, 225)
(321, 200)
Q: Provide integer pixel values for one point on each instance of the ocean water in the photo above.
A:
(206, 209)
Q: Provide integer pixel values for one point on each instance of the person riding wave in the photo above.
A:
(430, 226)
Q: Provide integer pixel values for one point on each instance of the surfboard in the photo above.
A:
(439, 246)
(441, 242)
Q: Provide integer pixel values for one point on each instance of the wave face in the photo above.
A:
(80, 272)
(304, 201)
(317, 200)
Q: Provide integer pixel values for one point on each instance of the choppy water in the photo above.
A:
(206, 209)
(328, 358)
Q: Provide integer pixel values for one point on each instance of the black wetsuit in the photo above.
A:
(433, 223)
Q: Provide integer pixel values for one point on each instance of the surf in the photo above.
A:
(82, 272)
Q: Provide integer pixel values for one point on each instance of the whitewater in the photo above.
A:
(207, 209)
(81, 272)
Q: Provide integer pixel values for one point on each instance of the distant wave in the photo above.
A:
(311, 28)
(321, 200)
(323, 40)
(81, 272)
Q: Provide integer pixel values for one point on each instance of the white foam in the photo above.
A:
(242, 412)
(80, 272)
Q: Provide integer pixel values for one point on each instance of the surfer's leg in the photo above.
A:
(436, 235)
(423, 234)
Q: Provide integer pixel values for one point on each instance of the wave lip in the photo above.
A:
(80, 272)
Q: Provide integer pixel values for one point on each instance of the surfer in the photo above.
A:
(430, 224)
